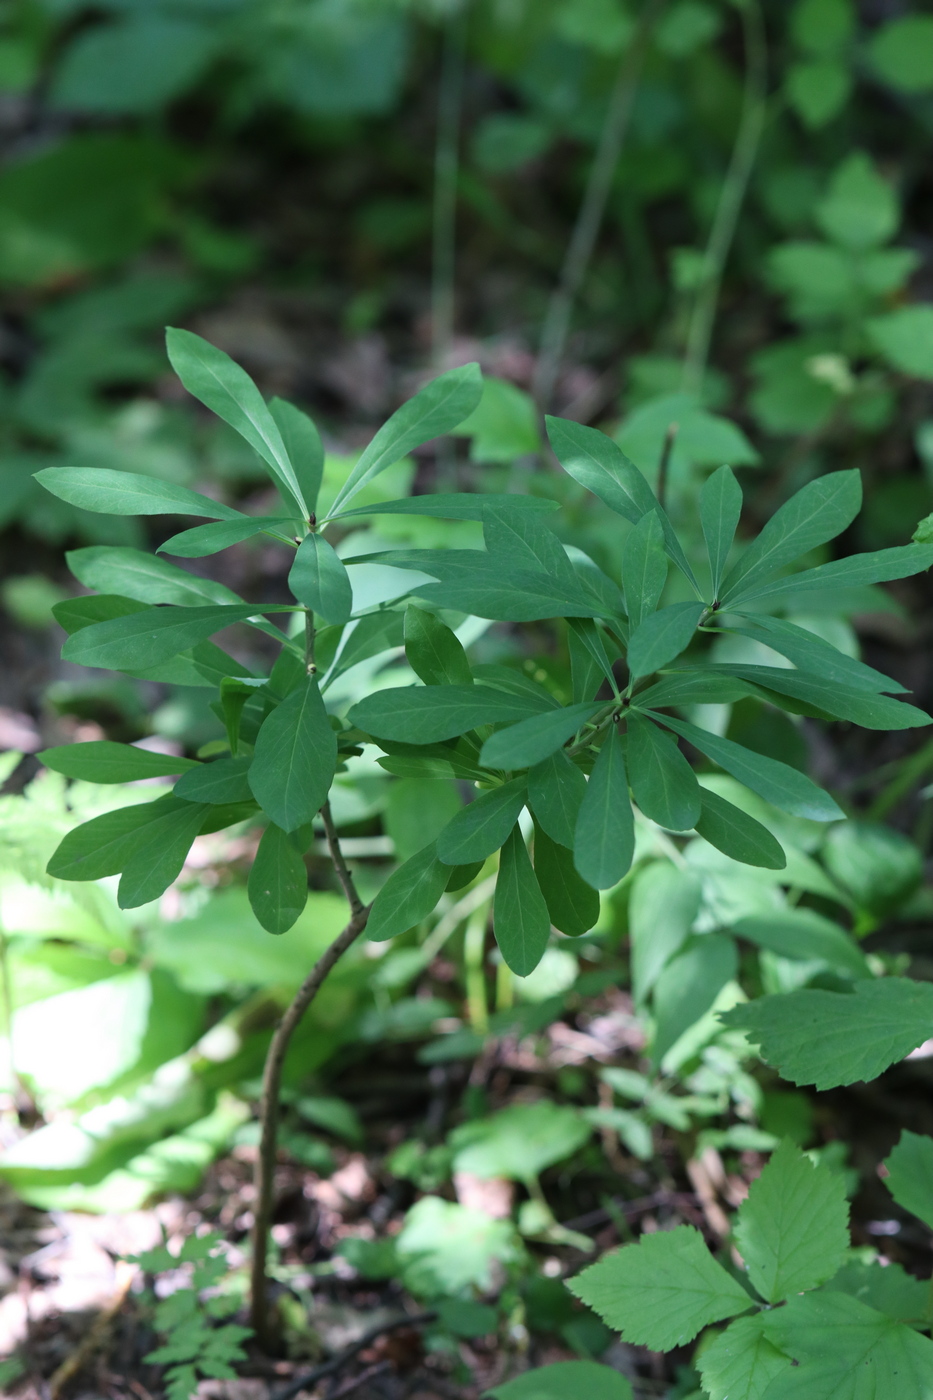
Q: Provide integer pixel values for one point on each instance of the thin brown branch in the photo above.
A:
(340, 864)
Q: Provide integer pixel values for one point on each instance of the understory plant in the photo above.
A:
(555, 779)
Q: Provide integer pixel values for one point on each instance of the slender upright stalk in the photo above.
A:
(732, 195)
(590, 216)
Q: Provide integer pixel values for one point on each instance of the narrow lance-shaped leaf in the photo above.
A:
(295, 758)
(202, 540)
(103, 845)
(437, 409)
(813, 654)
(154, 634)
(235, 694)
(409, 895)
(151, 869)
(532, 740)
(454, 505)
(111, 492)
(644, 569)
(604, 837)
(278, 881)
(227, 389)
(524, 539)
(521, 921)
(304, 447)
(662, 637)
(434, 652)
(132, 573)
(482, 826)
(880, 566)
(589, 636)
(429, 714)
(688, 986)
(556, 788)
(319, 580)
(736, 834)
(720, 509)
(102, 761)
(663, 783)
(573, 905)
(805, 935)
(223, 780)
(833, 697)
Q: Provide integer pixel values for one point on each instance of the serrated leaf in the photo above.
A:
(687, 987)
(880, 566)
(454, 505)
(483, 825)
(573, 906)
(294, 759)
(102, 845)
(519, 1142)
(662, 636)
(133, 574)
(319, 580)
(831, 1038)
(223, 780)
(202, 540)
(409, 895)
(720, 509)
(556, 788)
(520, 917)
(910, 1175)
(433, 651)
(813, 654)
(304, 447)
(102, 761)
(533, 740)
(664, 903)
(225, 388)
(437, 409)
(804, 934)
(278, 881)
(152, 635)
(886, 1287)
(793, 1227)
(604, 835)
(741, 1363)
(644, 569)
(428, 714)
(663, 783)
(818, 512)
(736, 834)
(834, 697)
(128, 493)
(151, 869)
(779, 784)
(566, 1380)
(662, 1291)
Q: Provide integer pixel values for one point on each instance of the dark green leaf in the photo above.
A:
(482, 826)
(820, 511)
(134, 574)
(154, 634)
(736, 834)
(304, 447)
(702, 686)
(75, 613)
(454, 506)
(573, 906)
(584, 632)
(103, 845)
(720, 509)
(813, 654)
(515, 682)
(777, 783)
(102, 761)
(604, 837)
(128, 493)
(490, 586)
(235, 694)
(663, 783)
(213, 663)
(211, 539)
(223, 780)
(461, 875)
(520, 916)
(644, 569)
(532, 740)
(228, 391)
(409, 895)
(910, 1175)
(295, 757)
(881, 566)
(434, 652)
(687, 987)
(320, 580)
(834, 698)
(662, 636)
(556, 788)
(151, 869)
(437, 409)
(428, 714)
(375, 633)
(523, 540)
(278, 881)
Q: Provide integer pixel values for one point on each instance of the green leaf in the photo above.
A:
(103, 845)
(741, 1363)
(818, 512)
(304, 447)
(152, 867)
(434, 652)
(154, 634)
(128, 493)
(370, 636)
(409, 895)
(833, 697)
(910, 1175)
(483, 825)
(492, 586)
(101, 761)
(905, 339)
(533, 740)
(437, 409)
(662, 636)
(573, 906)
(886, 1287)
(663, 783)
(520, 916)
(803, 934)
(644, 569)
(133, 574)
(600, 465)
(720, 510)
(519, 1142)
(75, 613)
(831, 1038)
(604, 836)
(524, 539)
(736, 834)
(278, 881)
(663, 905)
(453, 506)
(450, 1250)
(319, 580)
(782, 786)
(842, 1350)
(585, 633)
(881, 566)
(662, 1291)
(900, 52)
(687, 987)
(295, 758)
(793, 1227)
(426, 715)
(211, 539)
(813, 654)
(228, 391)
(565, 1380)
(702, 686)
(556, 788)
(223, 780)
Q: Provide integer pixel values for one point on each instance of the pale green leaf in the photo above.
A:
(604, 835)
(128, 493)
(741, 1363)
(884, 1286)
(520, 917)
(133, 574)
(295, 757)
(304, 447)
(519, 1142)
(103, 845)
(803, 934)
(102, 761)
(687, 987)
(454, 505)
(664, 903)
